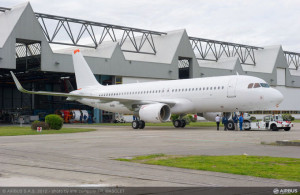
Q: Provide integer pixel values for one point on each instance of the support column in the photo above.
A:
(97, 112)
(97, 115)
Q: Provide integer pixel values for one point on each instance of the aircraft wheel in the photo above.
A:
(183, 123)
(177, 123)
(141, 124)
(135, 124)
(230, 125)
(247, 125)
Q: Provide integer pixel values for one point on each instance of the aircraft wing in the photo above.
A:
(125, 101)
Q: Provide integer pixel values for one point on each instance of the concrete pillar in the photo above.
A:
(96, 115)
(97, 112)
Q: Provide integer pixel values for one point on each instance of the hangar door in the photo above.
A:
(231, 88)
(280, 76)
(184, 67)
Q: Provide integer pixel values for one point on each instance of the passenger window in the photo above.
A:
(250, 85)
(256, 85)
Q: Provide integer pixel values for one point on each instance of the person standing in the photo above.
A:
(225, 122)
(218, 118)
(85, 118)
(235, 121)
(241, 120)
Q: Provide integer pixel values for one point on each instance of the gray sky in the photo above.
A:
(252, 22)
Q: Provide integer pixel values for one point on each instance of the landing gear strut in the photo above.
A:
(179, 123)
(138, 124)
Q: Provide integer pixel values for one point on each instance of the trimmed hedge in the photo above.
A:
(288, 117)
(36, 124)
(54, 121)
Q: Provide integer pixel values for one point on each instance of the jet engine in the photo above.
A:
(211, 116)
(155, 113)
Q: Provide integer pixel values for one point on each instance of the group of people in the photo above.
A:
(236, 119)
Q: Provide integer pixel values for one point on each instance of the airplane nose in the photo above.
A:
(277, 96)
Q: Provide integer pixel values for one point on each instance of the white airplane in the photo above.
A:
(155, 101)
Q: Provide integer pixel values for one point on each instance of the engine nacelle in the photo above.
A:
(211, 116)
(155, 113)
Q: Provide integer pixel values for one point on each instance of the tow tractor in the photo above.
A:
(270, 122)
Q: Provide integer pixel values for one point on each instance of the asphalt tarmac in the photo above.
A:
(87, 159)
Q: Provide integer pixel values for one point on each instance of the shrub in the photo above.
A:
(36, 124)
(288, 117)
(252, 118)
(54, 121)
(188, 118)
(174, 117)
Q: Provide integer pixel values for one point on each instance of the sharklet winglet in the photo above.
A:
(19, 86)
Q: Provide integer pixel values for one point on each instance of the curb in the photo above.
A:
(287, 143)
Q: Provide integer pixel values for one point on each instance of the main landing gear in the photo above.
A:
(138, 124)
(179, 123)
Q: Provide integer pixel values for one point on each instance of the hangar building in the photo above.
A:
(119, 54)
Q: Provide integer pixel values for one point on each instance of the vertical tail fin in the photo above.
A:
(84, 75)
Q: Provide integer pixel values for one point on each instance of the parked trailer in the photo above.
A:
(270, 122)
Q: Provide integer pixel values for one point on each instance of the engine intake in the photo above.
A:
(155, 113)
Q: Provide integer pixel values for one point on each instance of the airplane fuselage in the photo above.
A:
(211, 94)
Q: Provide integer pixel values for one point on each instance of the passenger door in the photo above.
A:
(231, 88)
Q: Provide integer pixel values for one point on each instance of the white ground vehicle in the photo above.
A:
(270, 122)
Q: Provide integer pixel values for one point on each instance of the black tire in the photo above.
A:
(230, 125)
(141, 124)
(177, 123)
(287, 128)
(183, 123)
(274, 127)
(247, 125)
(135, 124)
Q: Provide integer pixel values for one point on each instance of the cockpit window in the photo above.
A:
(256, 85)
(265, 85)
(250, 85)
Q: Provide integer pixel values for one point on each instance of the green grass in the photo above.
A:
(295, 141)
(167, 124)
(258, 166)
(13, 131)
(296, 121)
